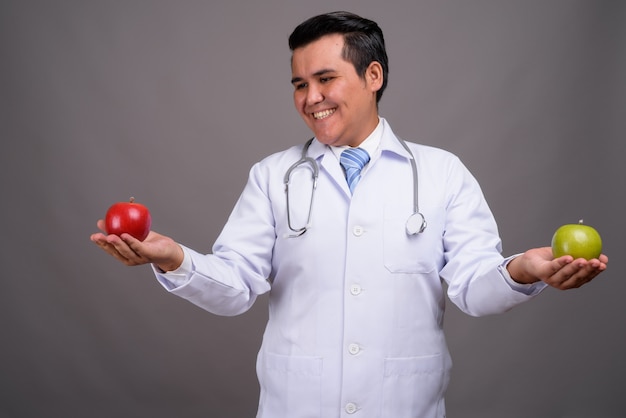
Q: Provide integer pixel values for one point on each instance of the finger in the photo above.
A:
(118, 249)
(102, 242)
(562, 261)
(122, 251)
(98, 237)
(583, 272)
(137, 250)
(101, 225)
(563, 271)
(575, 282)
(558, 269)
(120, 257)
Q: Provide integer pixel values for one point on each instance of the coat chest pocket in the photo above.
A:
(419, 253)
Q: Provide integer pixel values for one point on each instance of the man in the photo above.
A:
(356, 297)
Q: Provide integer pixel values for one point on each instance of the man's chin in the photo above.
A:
(327, 140)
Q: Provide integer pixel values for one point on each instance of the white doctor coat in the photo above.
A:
(356, 305)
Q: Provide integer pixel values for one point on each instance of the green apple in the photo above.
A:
(577, 240)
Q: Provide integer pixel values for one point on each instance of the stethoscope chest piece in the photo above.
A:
(416, 224)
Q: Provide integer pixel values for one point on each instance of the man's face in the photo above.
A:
(336, 104)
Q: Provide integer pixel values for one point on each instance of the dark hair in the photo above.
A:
(363, 40)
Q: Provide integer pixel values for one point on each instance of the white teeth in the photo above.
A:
(323, 114)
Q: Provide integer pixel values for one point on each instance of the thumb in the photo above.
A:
(101, 225)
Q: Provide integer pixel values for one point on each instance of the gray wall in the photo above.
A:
(103, 100)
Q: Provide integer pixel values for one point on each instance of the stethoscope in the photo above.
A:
(415, 224)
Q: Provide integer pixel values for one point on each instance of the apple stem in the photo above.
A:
(132, 199)
(580, 222)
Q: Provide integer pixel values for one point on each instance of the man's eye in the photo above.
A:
(325, 79)
(300, 86)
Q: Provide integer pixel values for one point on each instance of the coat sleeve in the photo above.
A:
(475, 270)
(227, 281)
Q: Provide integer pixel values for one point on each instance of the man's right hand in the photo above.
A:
(157, 249)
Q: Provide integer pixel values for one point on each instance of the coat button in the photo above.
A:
(358, 231)
(351, 408)
(354, 349)
(355, 289)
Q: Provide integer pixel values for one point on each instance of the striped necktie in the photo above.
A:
(353, 160)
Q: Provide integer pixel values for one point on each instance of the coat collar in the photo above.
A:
(388, 143)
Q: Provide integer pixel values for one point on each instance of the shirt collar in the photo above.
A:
(371, 144)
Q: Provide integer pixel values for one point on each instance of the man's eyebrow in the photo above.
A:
(315, 74)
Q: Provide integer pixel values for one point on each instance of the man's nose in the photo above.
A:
(314, 95)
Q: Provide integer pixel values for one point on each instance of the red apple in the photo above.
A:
(577, 240)
(128, 217)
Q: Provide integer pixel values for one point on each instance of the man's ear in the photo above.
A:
(374, 76)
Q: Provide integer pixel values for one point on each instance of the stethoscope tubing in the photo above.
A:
(416, 223)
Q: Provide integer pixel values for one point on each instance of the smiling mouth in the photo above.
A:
(323, 114)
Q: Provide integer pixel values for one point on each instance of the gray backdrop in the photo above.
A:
(172, 102)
